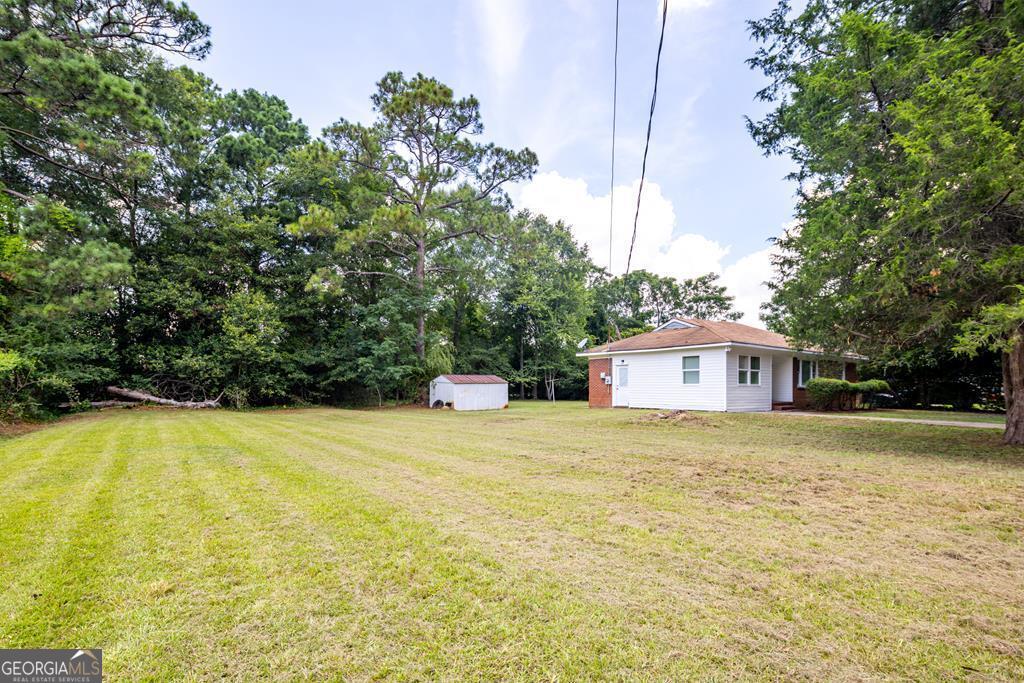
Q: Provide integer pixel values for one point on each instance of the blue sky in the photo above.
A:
(542, 70)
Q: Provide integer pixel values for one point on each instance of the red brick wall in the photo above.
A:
(799, 394)
(851, 373)
(600, 393)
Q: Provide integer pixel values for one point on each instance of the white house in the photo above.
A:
(692, 364)
(469, 392)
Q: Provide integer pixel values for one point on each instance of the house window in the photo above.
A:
(808, 371)
(691, 369)
(750, 370)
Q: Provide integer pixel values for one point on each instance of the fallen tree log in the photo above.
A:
(100, 404)
(144, 397)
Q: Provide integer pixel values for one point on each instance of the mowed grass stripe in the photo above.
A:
(41, 514)
(658, 625)
(59, 579)
(331, 544)
(873, 591)
(447, 604)
(531, 497)
(197, 574)
(32, 460)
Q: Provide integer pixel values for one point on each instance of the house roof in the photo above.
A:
(697, 333)
(473, 379)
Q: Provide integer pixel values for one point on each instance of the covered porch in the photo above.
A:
(792, 371)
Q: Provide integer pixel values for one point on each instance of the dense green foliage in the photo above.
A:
(905, 122)
(160, 234)
(639, 300)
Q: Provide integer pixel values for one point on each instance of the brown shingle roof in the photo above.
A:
(474, 379)
(704, 332)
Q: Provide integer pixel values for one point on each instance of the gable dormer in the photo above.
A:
(673, 324)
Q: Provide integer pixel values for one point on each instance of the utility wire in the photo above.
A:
(647, 144)
(615, 102)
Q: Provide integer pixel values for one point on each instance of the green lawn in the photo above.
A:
(939, 415)
(534, 543)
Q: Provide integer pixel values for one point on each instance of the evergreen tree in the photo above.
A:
(904, 120)
(435, 184)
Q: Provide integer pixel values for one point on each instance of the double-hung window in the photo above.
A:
(808, 371)
(691, 369)
(749, 370)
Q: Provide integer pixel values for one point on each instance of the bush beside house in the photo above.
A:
(825, 393)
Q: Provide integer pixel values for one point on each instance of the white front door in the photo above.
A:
(620, 386)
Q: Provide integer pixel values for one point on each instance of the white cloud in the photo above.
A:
(657, 248)
(746, 280)
(503, 27)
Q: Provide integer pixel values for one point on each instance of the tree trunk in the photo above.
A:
(133, 230)
(421, 312)
(522, 365)
(923, 397)
(146, 397)
(421, 284)
(1013, 392)
(101, 404)
(460, 307)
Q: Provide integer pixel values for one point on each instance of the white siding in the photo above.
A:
(656, 380)
(441, 390)
(782, 377)
(480, 396)
(746, 398)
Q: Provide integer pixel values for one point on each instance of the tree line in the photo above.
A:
(158, 233)
(161, 234)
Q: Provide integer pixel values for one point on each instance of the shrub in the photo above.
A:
(872, 386)
(16, 376)
(869, 390)
(826, 393)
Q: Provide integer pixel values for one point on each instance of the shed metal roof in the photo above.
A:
(473, 379)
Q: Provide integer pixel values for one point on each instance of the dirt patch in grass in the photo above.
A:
(9, 430)
(12, 429)
(672, 417)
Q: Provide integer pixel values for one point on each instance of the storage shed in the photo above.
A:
(469, 392)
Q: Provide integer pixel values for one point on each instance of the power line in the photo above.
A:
(615, 102)
(650, 120)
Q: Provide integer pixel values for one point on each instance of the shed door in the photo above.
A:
(620, 386)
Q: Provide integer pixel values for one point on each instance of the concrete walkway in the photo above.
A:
(939, 423)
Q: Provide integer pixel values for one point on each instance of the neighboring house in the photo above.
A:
(469, 392)
(707, 365)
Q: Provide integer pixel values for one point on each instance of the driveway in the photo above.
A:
(939, 423)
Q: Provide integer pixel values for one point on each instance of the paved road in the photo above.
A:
(940, 423)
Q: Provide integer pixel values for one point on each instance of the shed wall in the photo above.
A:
(480, 396)
(441, 391)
